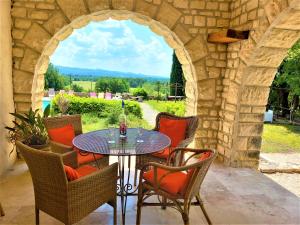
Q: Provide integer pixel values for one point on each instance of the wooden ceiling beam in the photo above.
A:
(228, 36)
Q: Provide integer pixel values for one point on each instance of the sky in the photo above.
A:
(115, 45)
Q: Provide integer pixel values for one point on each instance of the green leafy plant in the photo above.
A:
(140, 92)
(29, 128)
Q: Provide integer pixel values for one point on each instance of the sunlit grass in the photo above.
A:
(91, 122)
(176, 108)
(281, 138)
(86, 85)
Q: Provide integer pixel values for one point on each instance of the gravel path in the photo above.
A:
(149, 114)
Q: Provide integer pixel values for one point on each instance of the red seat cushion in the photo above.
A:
(74, 174)
(63, 135)
(71, 173)
(174, 129)
(163, 154)
(83, 159)
(85, 170)
(171, 183)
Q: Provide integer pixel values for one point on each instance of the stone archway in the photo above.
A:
(37, 24)
(158, 28)
(248, 90)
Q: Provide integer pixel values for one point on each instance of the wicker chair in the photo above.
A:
(75, 120)
(1, 210)
(195, 171)
(66, 201)
(192, 124)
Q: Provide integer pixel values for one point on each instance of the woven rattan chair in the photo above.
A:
(75, 120)
(1, 210)
(192, 124)
(195, 170)
(66, 201)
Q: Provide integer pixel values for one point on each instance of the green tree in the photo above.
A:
(112, 84)
(77, 88)
(177, 81)
(53, 78)
(286, 85)
(140, 92)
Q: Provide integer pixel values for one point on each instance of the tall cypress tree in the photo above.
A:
(177, 78)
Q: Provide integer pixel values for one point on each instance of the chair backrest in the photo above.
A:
(48, 177)
(192, 123)
(60, 121)
(198, 171)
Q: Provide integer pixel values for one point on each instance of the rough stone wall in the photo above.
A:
(251, 68)
(227, 85)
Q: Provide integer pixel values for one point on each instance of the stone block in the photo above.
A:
(233, 93)
(45, 5)
(212, 5)
(22, 81)
(207, 89)
(72, 8)
(259, 76)
(251, 117)
(17, 34)
(290, 21)
(197, 48)
(29, 61)
(36, 37)
(279, 38)
(251, 4)
(199, 21)
(197, 4)
(38, 15)
(168, 15)
(22, 107)
(182, 33)
(214, 72)
(97, 5)
(254, 143)
(121, 4)
(184, 4)
(255, 96)
(222, 22)
(64, 33)
(211, 22)
(188, 20)
(224, 6)
(241, 143)
(19, 12)
(22, 23)
(200, 69)
(268, 57)
(55, 23)
(146, 8)
(250, 129)
(18, 52)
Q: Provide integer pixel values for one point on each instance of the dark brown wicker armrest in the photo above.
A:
(184, 143)
(70, 159)
(94, 189)
(60, 148)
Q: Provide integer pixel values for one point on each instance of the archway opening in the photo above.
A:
(170, 38)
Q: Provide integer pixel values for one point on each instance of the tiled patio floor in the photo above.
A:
(231, 196)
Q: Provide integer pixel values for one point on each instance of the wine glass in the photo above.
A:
(140, 134)
(111, 133)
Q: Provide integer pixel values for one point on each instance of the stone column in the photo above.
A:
(6, 88)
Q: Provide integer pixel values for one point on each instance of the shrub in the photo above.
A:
(101, 107)
(140, 92)
(176, 108)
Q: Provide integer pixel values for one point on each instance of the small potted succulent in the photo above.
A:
(29, 128)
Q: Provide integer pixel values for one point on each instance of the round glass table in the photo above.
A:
(109, 142)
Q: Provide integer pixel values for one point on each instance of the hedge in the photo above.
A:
(102, 107)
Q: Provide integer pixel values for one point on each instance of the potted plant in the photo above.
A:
(29, 128)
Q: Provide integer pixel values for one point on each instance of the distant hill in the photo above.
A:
(81, 72)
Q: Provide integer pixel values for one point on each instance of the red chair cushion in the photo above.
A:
(71, 173)
(74, 174)
(163, 154)
(84, 158)
(63, 135)
(171, 183)
(86, 170)
(174, 129)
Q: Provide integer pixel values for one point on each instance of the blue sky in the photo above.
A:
(115, 45)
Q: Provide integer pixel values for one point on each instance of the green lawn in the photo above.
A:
(281, 138)
(86, 85)
(177, 108)
(91, 122)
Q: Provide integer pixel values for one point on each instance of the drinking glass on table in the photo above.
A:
(139, 135)
(111, 133)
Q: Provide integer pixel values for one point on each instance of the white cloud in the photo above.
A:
(117, 47)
